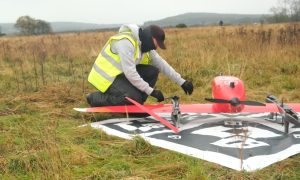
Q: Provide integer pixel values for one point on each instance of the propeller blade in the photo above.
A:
(235, 102)
(217, 100)
(252, 103)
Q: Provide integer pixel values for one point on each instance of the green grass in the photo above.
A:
(51, 145)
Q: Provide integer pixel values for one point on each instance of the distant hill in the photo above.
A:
(196, 19)
(75, 26)
(8, 28)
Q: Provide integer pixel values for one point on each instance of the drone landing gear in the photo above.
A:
(176, 114)
(287, 113)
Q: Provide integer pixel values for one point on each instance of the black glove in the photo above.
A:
(158, 95)
(188, 87)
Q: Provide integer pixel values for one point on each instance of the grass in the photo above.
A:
(44, 77)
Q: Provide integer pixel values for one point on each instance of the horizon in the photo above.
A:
(120, 12)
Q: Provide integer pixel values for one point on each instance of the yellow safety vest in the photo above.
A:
(107, 65)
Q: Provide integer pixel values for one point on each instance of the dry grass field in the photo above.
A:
(44, 77)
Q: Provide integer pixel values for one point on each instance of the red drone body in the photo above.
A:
(227, 88)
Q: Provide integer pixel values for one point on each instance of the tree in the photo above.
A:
(287, 10)
(30, 26)
(295, 9)
(26, 25)
(42, 27)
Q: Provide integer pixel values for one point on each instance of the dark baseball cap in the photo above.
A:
(159, 34)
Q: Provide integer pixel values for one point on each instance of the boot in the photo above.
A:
(96, 99)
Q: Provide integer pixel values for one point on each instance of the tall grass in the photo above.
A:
(44, 77)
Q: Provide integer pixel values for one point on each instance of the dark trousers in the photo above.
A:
(121, 87)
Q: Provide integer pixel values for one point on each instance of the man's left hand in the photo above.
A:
(188, 87)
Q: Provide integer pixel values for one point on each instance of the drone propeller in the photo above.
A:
(235, 102)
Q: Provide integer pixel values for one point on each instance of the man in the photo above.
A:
(128, 65)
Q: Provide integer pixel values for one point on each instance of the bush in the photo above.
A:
(181, 25)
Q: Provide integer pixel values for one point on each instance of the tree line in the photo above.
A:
(286, 11)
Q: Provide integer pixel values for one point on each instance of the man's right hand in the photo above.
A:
(158, 95)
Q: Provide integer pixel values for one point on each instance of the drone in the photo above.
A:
(228, 96)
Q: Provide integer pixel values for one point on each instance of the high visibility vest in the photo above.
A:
(107, 65)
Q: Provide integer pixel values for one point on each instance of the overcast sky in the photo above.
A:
(123, 11)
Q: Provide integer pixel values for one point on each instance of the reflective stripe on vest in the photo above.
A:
(107, 65)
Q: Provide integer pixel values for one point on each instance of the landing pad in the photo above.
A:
(242, 141)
